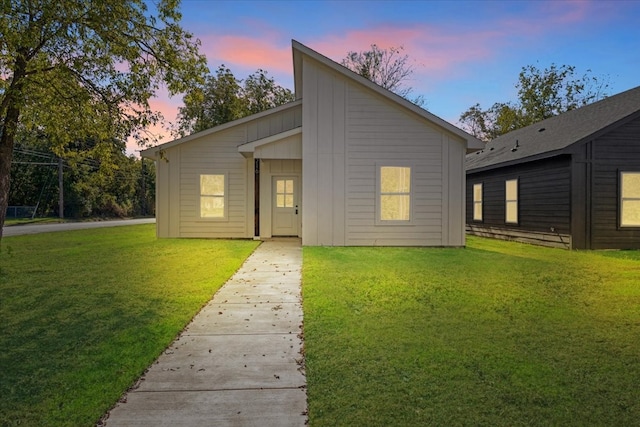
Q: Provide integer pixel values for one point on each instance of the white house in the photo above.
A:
(346, 164)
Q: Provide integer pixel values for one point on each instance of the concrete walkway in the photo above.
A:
(239, 362)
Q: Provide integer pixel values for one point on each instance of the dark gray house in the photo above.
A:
(571, 181)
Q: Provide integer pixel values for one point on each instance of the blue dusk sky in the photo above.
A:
(463, 52)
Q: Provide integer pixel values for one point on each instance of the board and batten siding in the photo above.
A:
(350, 131)
(616, 151)
(323, 163)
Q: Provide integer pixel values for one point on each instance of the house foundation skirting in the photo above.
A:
(553, 240)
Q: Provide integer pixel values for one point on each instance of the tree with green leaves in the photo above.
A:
(78, 69)
(224, 98)
(541, 94)
(388, 68)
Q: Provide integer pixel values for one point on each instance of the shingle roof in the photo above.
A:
(544, 138)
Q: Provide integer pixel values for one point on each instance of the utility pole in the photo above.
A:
(60, 190)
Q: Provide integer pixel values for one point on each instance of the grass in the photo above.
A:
(497, 334)
(84, 313)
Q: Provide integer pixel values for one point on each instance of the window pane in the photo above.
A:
(288, 186)
(280, 186)
(477, 211)
(395, 208)
(211, 207)
(630, 213)
(280, 200)
(288, 200)
(512, 189)
(395, 179)
(630, 185)
(512, 212)
(212, 185)
(477, 192)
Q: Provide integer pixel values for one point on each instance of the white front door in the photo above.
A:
(286, 206)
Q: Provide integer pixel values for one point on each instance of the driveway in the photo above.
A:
(18, 230)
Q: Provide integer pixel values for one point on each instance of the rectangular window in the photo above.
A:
(630, 199)
(212, 196)
(511, 201)
(395, 193)
(284, 193)
(477, 202)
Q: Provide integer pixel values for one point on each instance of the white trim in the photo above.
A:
(623, 199)
(478, 201)
(379, 194)
(510, 202)
(225, 199)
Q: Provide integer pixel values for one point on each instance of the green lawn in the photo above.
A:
(84, 313)
(498, 333)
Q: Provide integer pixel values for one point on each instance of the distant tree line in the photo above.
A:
(541, 94)
(99, 180)
(223, 98)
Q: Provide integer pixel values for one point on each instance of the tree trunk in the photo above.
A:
(8, 128)
(7, 138)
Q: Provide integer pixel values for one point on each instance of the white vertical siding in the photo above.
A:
(323, 147)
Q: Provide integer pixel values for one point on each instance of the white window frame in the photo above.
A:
(511, 202)
(478, 203)
(627, 198)
(379, 194)
(225, 198)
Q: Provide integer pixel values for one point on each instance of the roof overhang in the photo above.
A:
(249, 148)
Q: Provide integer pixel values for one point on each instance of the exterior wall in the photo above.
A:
(179, 168)
(599, 163)
(544, 202)
(349, 131)
(323, 148)
(179, 182)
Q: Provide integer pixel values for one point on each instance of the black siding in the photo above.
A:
(616, 151)
(544, 189)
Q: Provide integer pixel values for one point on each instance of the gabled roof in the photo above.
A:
(549, 137)
(299, 50)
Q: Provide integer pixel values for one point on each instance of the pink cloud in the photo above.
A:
(435, 53)
(251, 53)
